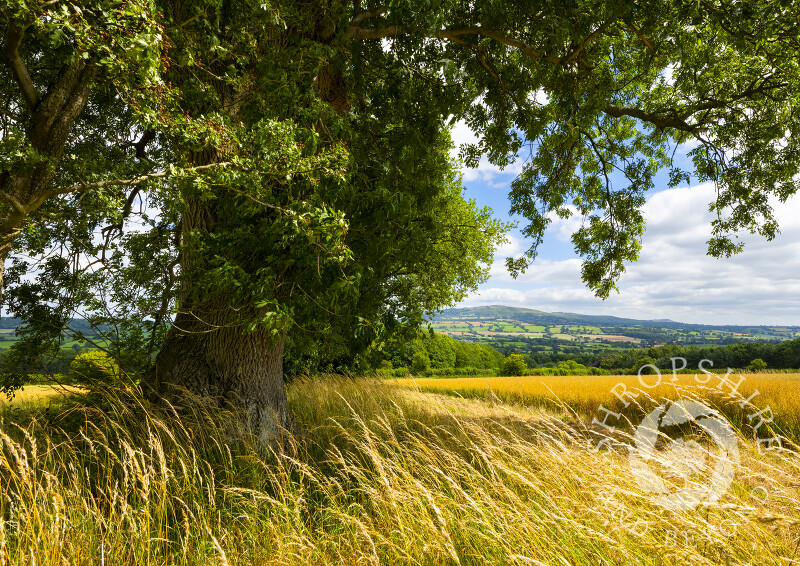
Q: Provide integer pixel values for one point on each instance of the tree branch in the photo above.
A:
(11, 43)
(83, 187)
(678, 121)
(639, 35)
(15, 204)
(674, 122)
(500, 38)
(356, 21)
(575, 54)
(354, 31)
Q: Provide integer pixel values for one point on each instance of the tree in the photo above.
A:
(421, 362)
(292, 155)
(757, 365)
(441, 350)
(514, 365)
(93, 367)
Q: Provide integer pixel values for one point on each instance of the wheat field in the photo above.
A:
(375, 474)
(33, 396)
(583, 395)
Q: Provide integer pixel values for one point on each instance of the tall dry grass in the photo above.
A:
(377, 475)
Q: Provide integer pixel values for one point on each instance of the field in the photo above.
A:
(583, 395)
(375, 474)
(34, 396)
(527, 331)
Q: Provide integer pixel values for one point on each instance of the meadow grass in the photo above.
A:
(375, 474)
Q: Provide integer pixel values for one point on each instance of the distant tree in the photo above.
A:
(441, 350)
(514, 365)
(93, 367)
(421, 362)
(572, 367)
(645, 361)
(757, 365)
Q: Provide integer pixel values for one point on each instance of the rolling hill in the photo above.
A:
(530, 330)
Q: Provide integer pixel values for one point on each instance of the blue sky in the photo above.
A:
(674, 277)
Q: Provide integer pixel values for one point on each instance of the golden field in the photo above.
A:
(583, 395)
(32, 396)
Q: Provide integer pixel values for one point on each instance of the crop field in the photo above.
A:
(583, 395)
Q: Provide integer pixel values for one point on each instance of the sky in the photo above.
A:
(673, 279)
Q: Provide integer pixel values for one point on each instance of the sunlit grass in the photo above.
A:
(376, 474)
(33, 396)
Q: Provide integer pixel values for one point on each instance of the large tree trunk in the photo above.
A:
(207, 350)
(210, 357)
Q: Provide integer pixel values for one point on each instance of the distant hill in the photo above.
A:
(77, 324)
(9, 323)
(498, 312)
(514, 329)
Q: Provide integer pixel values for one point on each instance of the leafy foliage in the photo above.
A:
(421, 362)
(93, 367)
(400, 350)
(278, 159)
(745, 355)
(514, 365)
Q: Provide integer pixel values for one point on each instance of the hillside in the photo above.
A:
(8, 336)
(534, 331)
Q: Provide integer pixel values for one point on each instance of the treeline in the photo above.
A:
(438, 354)
(741, 355)
(46, 364)
(432, 354)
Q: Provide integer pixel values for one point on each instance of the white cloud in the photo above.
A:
(674, 277)
(460, 134)
(541, 272)
(564, 228)
(485, 171)
(512, 248)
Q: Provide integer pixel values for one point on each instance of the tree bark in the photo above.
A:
(212, 358)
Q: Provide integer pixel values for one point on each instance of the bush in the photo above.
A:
(451, 372)
(401, 372)
(598, 371)
(515, 365)
(757, 365)
(93, 367)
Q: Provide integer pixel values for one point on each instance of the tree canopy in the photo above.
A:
(294, 156)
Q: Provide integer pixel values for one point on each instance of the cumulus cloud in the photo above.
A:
(674, 277)
(563, 228)
(485, 172)
(512, 248)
